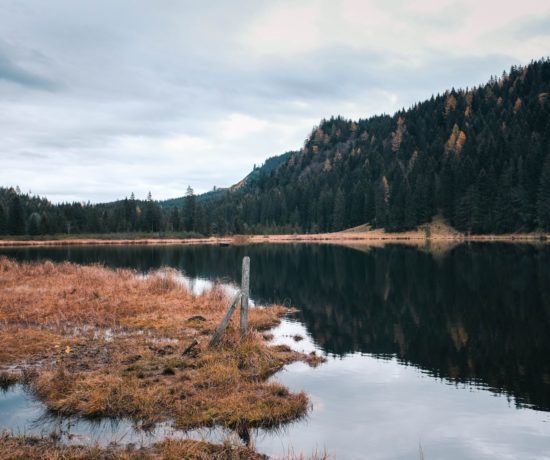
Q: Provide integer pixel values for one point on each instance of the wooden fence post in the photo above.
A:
(225, 321)
(245, 287)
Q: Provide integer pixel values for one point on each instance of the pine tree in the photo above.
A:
(504, 211)
(151, 215)
(476, 204)
(16, 224)
(34, 224)
(175, 219)
(201, 221)
(3, 220)
(447, 194)
(369, 208)
(463, 214)
(543, 202)
(482, 204)
(339, 213)
(189, 210)
(381, 200)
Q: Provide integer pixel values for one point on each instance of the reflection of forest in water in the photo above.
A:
(479, 313)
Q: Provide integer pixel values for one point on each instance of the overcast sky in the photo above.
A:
(99, 99)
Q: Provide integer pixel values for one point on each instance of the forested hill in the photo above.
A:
(480, 157)
(269, 165)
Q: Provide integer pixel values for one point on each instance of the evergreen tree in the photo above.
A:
(151, 215)
(189, 210)
(339, 212)
(16, 224)
(34, 224)
(543, 202)
(381, 200)
(3, 220)
(175, 219)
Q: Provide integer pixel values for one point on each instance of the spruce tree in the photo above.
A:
(175, 219)
(34, 224)
(338, 215)
(189, 210)
(3, 220)
(543, 202)
(381, 199)
(16, 225)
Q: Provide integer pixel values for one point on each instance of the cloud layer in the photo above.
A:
(101, 99)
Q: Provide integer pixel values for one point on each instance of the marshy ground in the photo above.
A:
(94, 342)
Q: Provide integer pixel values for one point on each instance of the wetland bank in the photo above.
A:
(94, 342)
(446, 349)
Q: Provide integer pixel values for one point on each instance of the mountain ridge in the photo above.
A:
(479, 156)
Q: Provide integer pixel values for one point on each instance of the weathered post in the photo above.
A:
(242, 295)
(225, 321)
(245, 286)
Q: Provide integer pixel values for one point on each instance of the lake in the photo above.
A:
(431, 354)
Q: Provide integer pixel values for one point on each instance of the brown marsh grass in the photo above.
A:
(110, 343)
(27, 447)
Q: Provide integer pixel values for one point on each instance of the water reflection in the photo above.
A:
(479, 313)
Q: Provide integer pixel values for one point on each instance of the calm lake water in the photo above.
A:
(434, 355)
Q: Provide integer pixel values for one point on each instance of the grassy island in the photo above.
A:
(95, 342)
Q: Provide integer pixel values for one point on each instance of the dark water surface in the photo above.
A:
(441, 355)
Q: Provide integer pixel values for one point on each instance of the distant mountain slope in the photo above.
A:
(479, 156)
(203, 197)
(269, 165)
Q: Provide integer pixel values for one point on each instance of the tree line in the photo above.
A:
(24, 214)
(480, 157)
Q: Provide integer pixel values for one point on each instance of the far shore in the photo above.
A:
(369, 238)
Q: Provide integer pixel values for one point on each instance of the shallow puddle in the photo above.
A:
(22, 414)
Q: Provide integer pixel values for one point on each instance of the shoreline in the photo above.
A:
(373, 238)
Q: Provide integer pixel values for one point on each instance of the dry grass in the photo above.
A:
(18, 343)
(26, 447)
(436, 231)
(150, 382)
(62, 296)
(240, 240)
(110, 343)
(82, 240)
(314, 456)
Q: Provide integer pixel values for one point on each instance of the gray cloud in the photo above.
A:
(11, 72)
(532, 27)
(32, 155)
